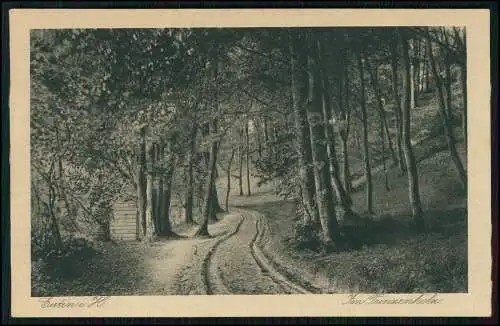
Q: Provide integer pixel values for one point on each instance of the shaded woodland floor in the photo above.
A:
(274, 111)
(129, 267)
(387, 255)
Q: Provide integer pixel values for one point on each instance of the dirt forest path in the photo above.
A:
(231, 262)
(244, 255)
(234, 260)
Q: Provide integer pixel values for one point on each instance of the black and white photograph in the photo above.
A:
(250, 161)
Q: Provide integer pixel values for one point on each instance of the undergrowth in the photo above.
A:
(387, 256)
(428, 263)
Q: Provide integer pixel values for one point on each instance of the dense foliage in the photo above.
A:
(116, 113)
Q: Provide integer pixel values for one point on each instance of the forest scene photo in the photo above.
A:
(188, 161)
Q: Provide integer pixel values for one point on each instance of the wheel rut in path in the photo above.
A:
(236, 264)
(233, 268)
(262, 265)
(267, 266)
(213, 284)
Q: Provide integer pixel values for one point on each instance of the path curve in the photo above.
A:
(237, 265)
(213, 283)
(266, 263)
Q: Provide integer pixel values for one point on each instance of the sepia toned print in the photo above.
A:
(249, 161)
(348, 151)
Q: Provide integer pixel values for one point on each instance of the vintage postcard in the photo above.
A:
(298, 162)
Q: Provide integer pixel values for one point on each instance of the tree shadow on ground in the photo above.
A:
(392, 230)
(115, 269)
(384, 255)
(170, 236)
(385, 229)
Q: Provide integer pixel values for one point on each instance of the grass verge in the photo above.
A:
(388, 256)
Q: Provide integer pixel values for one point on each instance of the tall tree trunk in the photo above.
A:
(382, 125)
(447, 87)
(247, 150)
(228, 190)
(54, 225)
(158, 213)
(141, 185)
(380, 106)
(382, 116)
(240, 179)
(150, 230)
(447, 81)
(412, 80)
(208, 210)
(190, 179)
(447, 78)
(426, 70)
(318, 123)
(212, 216)
(386, 177)
(416, 60)
(327, 114)
(366, 153)
(268, 148)
(413, 187)
(158, 202)
(333, 182)
(266, 132)
(207, 203)
(345, 164)
(216, 207)
(344, 134)
(390, 143)
(397, 109)
(463, 79)
(259, 141)
(357, 140)
(422, 68)
(149, 208)
(462, 175)
(382, 139)
(70, 214)
(274, 141)
(412, 74)
(301, 129)
(166, 195)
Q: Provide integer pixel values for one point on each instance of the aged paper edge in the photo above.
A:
(477, 302)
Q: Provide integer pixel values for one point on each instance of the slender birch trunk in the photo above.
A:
(247, 150)
(318, 122)
(366, 153)
(413, 186)
(301, 129)
(141, 185)
(228, 190)
(190, 178)
(448, 129)
(397, 110)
